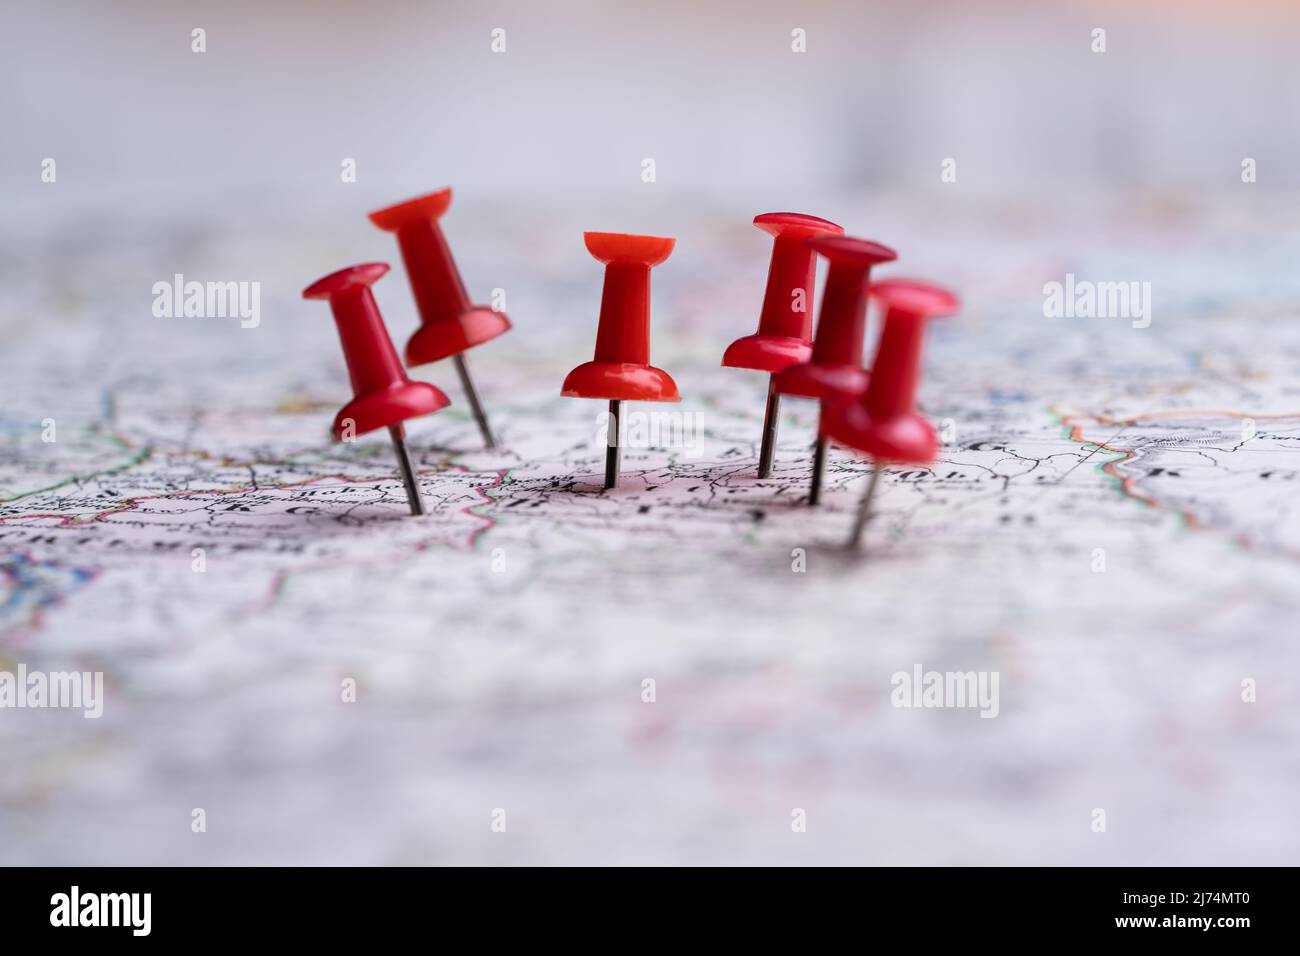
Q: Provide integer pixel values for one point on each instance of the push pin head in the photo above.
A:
(884, 424)
(784, 335)
(621, 369)
(449, 323)
(384, 396)
(835, 367)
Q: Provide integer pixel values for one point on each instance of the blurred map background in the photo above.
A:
(499, 646)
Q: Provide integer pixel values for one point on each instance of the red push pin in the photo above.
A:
(449, 324)
(835, 369)
(621, 370)
(784, 335)
(885, 424)
(383, 396)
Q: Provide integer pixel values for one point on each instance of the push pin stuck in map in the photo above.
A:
(383, 396)
(621, 369)
(784, 335)
(449, 324)
(884, 424)
(835, 367)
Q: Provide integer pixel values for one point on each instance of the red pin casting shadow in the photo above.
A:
(621, 369)
(835, 367)
(383, 396)
(784, 335)
(449, 323)
(884, 424)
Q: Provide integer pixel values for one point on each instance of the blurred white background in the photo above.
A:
(586, 90)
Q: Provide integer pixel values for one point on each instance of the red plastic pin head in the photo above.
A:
(835, 367)
(884, 423)
(384, 396)
(784, 336)
(621, 369)
(449, 323)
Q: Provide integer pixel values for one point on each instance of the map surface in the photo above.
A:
(1112, 527)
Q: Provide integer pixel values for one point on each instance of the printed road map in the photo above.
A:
(690, 668)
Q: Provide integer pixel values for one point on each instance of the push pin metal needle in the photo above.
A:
(884, 424)
(621, 369)
(471, 395)
(398, 435)
(383, 396)
(834, 370)
(864, 507)
(449, 323)
(771, 418)
(784, 335)
(613, 446)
